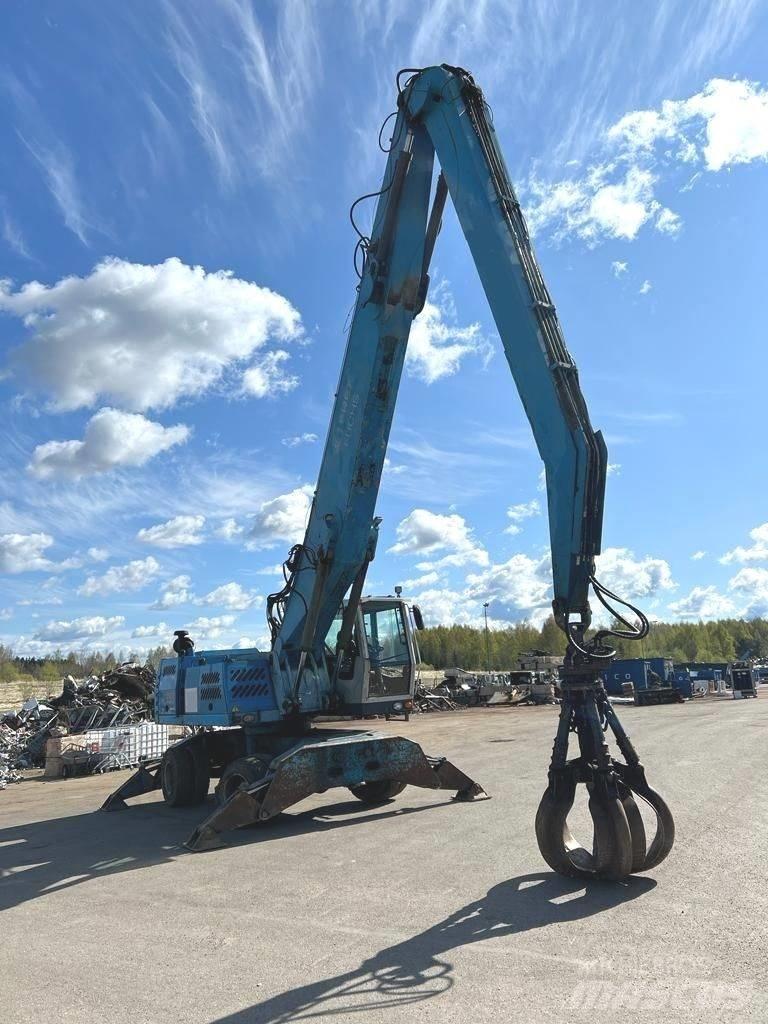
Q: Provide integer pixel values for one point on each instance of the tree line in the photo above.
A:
(471, 648)
(459, 646)
(79, 664)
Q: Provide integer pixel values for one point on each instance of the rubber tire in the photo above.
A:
(377, 792)
(246, 770)
(177, 777)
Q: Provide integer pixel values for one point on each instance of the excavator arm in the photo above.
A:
(441, 112)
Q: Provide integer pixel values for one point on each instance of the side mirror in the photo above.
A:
(418, 618)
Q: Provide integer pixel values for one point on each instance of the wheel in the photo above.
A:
(177, 777)
(243, 770)
(377, 792)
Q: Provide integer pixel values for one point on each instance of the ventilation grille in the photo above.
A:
(250, 690)
(247, 675)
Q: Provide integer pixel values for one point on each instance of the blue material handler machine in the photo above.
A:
(334, 652)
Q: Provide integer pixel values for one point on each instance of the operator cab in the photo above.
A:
(382, 675)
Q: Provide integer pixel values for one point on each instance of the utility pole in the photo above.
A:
(487, 639)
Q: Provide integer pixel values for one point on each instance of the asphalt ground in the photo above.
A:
(421, 910)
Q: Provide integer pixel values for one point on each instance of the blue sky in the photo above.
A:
(176, 265)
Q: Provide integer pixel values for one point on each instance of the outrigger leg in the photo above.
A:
(620, 845)
(316, 765)
(254, 788)
(144, 780)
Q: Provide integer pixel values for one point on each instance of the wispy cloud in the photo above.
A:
(57, 165)
(704, 30)
(249, 107)
(51, 155)
(12, 234)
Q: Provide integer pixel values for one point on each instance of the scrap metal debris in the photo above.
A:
(121, 696)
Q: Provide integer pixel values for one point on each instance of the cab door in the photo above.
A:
(390, 651)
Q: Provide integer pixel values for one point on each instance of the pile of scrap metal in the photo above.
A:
(490, 689)
(122, 696)
(432, 700)
(527, 686)
(10, 753)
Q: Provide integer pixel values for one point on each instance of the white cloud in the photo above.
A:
(619, 267)
(702, 603)
(391, 469)
(297, 439)
(262, 643)
(112, 439)
(231, 595)
(668, 222)
(214, 622)
(519, 513)
(122, 578)
(645, 287)
(179, 532)
(159, 630)
(419, 582)
(205, 628)
(521, 587)
(79, 629)
(25, 552)
(229, 529)
(595, 208)
(283, 518)
(613, 469)
(751, 585)
(174, 593)
(630, 577)
(425, 533)
(757, 552)
(443, 606)
(98, 554)
(698, 555)
(724, 125)
(437, 345)
(267, 377)
(142, 335)
(29, 602)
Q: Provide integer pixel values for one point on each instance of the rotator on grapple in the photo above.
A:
(333, 651)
